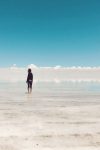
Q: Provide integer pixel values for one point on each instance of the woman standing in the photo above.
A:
(29, 80)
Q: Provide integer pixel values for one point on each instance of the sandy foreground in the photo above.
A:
(53, 117)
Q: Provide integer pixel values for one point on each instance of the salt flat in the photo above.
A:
(63, 116)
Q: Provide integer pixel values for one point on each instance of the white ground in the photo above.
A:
(63, 116)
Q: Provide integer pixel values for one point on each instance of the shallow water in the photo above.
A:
(55, 116)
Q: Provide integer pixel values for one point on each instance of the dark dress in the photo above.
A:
(30, 80)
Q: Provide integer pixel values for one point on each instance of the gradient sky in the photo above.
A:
(50, 32)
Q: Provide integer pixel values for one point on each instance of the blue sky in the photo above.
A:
(50, 32)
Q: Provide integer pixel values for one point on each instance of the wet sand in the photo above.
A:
(53, 117)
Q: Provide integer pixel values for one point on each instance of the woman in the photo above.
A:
(29, 80)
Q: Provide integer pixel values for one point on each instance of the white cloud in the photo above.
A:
(32, 66)
(57, 67)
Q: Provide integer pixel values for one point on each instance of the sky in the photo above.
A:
(50, 32)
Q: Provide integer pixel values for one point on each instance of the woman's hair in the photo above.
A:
(29, 70)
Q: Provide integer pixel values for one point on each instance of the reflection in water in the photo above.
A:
(29, 96)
